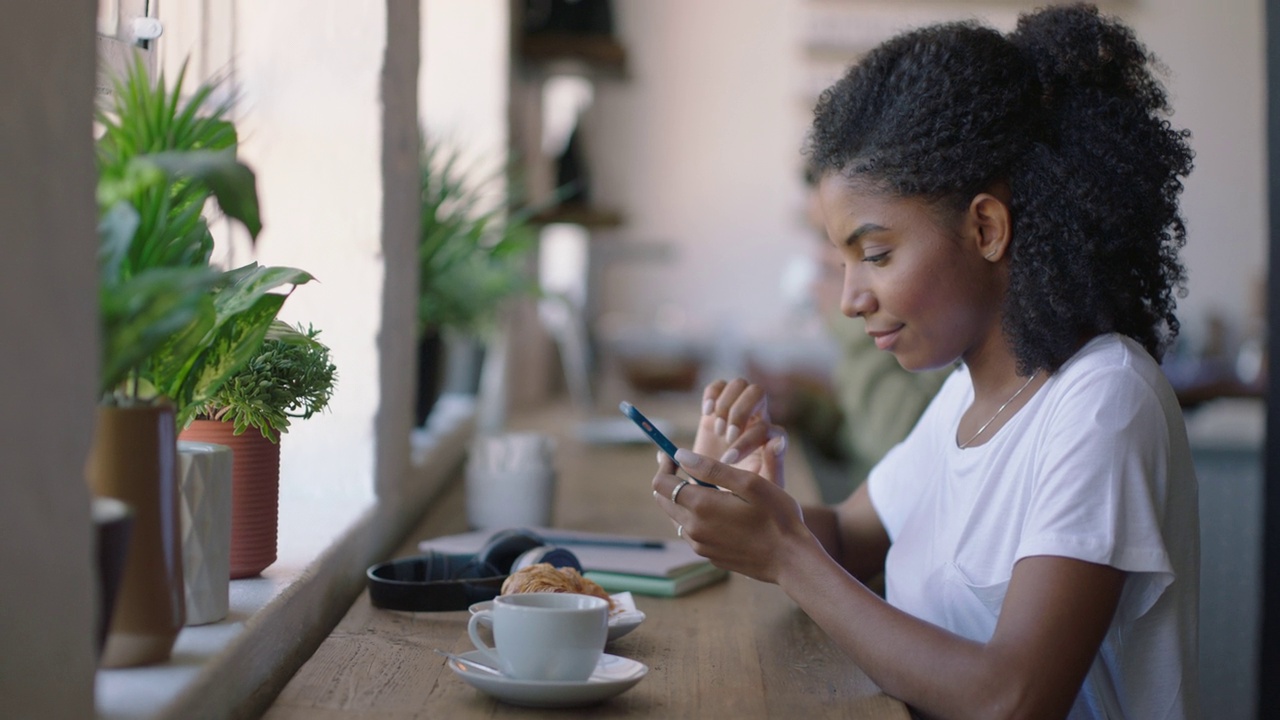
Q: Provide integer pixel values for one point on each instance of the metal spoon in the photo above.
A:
(470, 663)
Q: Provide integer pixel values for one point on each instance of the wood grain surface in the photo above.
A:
(737, 649)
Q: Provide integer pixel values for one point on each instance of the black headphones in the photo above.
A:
(439, 581)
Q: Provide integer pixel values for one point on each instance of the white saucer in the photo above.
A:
(612, 676)
(621, 621)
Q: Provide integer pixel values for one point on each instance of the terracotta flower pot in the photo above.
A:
(255, 493)
(134, 459)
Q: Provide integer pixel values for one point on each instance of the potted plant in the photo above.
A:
(474, 246)
(160, 160)
(289, 377)
(177, 328)
(174, 329)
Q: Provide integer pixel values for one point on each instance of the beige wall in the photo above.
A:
(48, 358)
(699, 149)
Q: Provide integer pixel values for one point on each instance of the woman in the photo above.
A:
(1008, 203)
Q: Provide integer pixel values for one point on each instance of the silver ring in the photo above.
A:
(675, 492)
(680, 531)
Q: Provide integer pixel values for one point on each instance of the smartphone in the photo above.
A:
(656, 435)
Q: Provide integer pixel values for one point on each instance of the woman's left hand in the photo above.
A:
(735, 427)
(747, 525)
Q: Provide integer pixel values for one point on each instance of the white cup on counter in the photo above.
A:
(543, 636)
(511, 481)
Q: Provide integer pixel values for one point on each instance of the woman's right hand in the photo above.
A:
(735, 427)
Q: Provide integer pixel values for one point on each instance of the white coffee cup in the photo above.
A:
(544, 636)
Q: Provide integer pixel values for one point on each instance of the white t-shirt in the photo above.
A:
(1096, 466)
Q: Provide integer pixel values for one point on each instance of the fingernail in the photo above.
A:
(655, 493)
(779, 444)
(734, 432)
(719, 426)
(730, 456)
(688, 459)
(708, 407)
(659, 457)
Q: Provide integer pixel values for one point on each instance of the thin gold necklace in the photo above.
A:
(999, 410)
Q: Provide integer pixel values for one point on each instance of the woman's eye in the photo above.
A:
(877, 259)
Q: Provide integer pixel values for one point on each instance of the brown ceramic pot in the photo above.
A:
(255, 493)
(134, 459)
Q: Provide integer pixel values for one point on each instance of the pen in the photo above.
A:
(622, 542)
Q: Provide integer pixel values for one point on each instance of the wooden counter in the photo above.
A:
(737, 649)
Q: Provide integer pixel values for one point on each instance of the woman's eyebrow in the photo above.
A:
(861, 231)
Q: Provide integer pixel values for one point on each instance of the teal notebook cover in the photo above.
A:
(686, 582)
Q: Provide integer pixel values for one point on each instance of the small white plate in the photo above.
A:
(612, 676)
(621, 621)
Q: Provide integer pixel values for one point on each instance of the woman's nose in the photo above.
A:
(855, 298)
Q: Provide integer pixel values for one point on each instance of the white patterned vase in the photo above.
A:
(204, 475)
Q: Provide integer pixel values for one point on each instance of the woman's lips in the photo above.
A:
(885, 339)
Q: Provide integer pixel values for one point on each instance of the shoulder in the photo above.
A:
(1110, 352)
(1111, 404)
(1113, 370)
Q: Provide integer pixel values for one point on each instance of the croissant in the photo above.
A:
(544, 577)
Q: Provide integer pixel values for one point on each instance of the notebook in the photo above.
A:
(619, 563)
(686, 582)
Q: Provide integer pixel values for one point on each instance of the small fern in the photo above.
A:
(290, 377)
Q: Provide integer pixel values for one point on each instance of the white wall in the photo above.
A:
(462, 85)
(326, 145)
(699, 149)
(48, 359)
(310, 128)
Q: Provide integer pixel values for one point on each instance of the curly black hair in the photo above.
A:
(1068, 112)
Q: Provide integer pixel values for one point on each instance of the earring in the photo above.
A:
(991, 254)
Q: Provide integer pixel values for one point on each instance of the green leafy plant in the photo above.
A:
(164, 157)
(474, 243)
(174, 327)
(290, 376)
(193, 364)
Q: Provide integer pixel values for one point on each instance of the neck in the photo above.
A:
(993, 370)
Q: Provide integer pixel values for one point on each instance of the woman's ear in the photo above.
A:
(993, 224)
